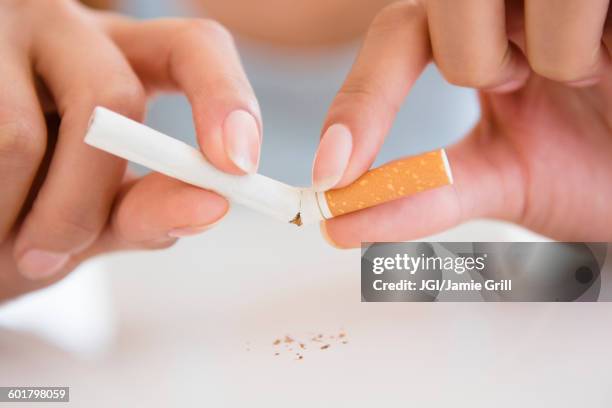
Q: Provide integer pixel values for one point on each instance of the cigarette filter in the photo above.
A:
(389, 182)
(133, 141)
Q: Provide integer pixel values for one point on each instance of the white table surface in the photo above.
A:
(177, 325)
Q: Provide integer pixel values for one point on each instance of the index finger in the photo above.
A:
(394, 53)
(199, 58)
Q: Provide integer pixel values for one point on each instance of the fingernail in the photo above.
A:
(187, 231)
(37, 264)
(325, 235)
(241, 140)
(332, 157)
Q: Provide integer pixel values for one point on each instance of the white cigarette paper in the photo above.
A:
(140, 144)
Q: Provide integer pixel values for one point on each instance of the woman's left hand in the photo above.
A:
(541, 153)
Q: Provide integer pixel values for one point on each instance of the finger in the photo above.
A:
(153, 212)
(488, 182)
(564, 41)
(149, 213)
(394, 52)
(199, 58)
(470, 45)
(158, 209)
(75, 199)
(22, 135)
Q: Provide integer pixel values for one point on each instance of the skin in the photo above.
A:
(67, 201)
(545, 127)
(540, 153)
(296, 23)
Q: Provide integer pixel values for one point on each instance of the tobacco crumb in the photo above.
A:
(297, 220)
(299, 346)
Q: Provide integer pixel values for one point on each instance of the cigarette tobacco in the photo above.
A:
(322, 344)
(123, 137)
(297, 220)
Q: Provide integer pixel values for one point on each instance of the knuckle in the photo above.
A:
(480, 76)
(464, 68)
(66, 228)
(563, 68)
(79, 227)
(124, 95)
(21, 140)
(366, 94)
(357, 91)
(229, 88)
(398, 14)
(206, 27)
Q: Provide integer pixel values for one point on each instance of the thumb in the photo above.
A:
(489, 182)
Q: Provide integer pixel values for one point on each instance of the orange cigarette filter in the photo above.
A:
(394, 180)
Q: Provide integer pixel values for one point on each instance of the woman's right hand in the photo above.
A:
(62, 201)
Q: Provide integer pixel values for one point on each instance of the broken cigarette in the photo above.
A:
(133, 141)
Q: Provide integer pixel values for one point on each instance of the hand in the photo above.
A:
(62, 201)
(541, 153)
